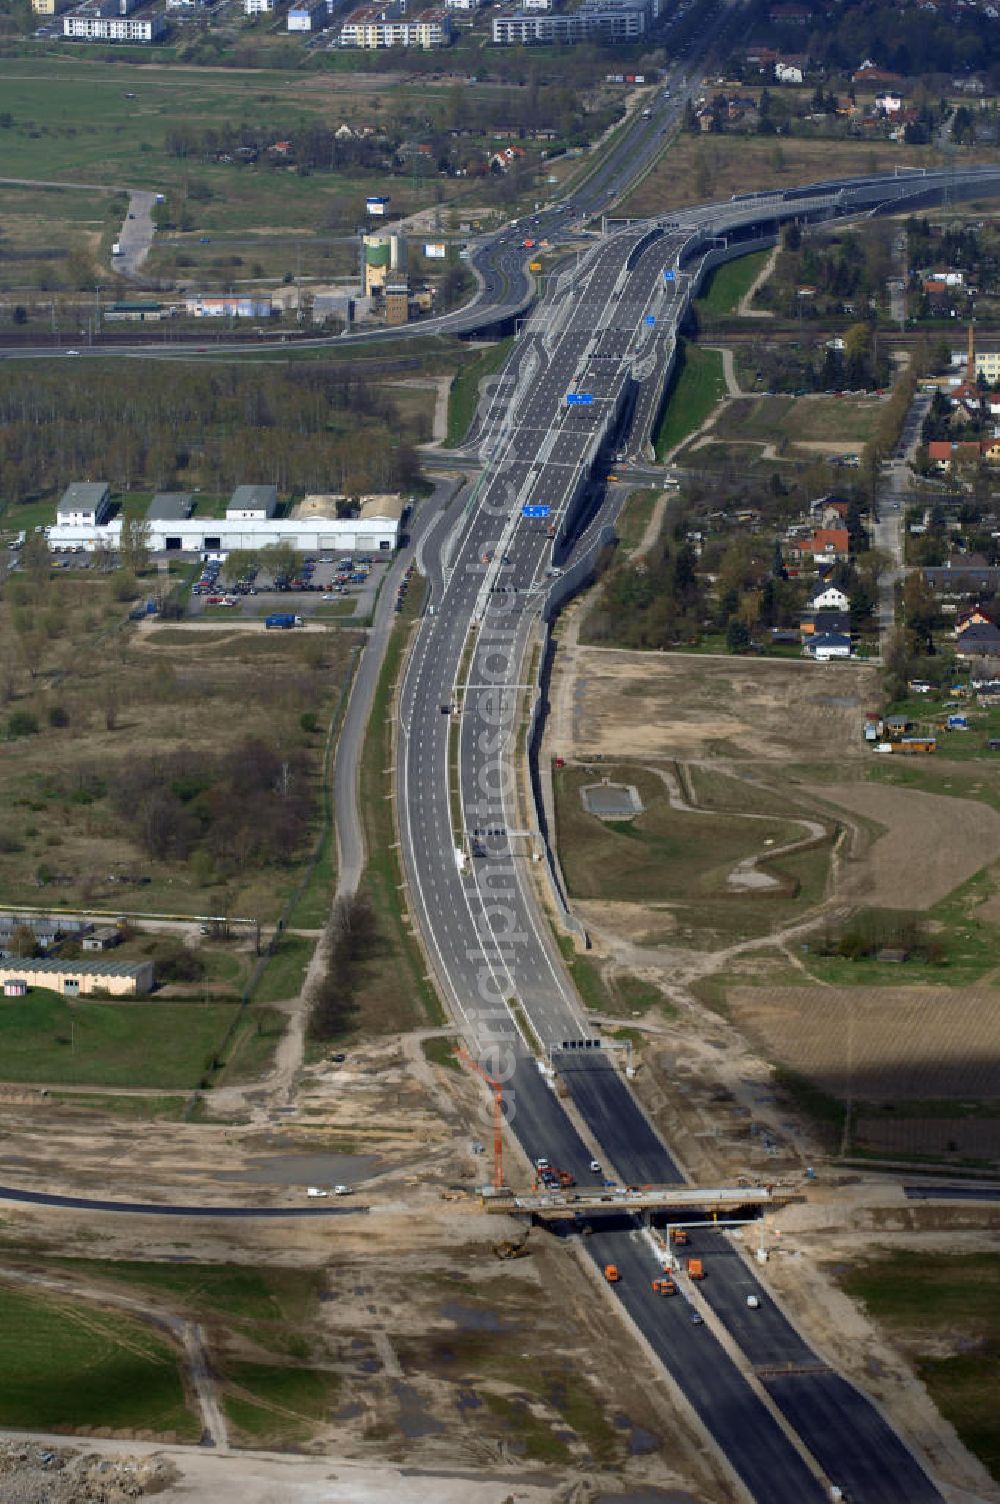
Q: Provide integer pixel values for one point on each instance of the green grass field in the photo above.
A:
(663, 854)
(274, 1399)
(395, 992)
(67, 1363)
(974, 778)
(274, 1404)
(633, 519)
(156, 1044)
(725, 286)
(828, 420)
(969, 943)
(463, 397)
(696, 386)
(283, 974)
(77, 120)
(441, 1052)
(255, 1294)
(935, 1300)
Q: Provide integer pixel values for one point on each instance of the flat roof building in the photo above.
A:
(170, 506)
(252, 504)
(86, 26)
(373, 533)
(396, 299)
(82, 978)
(376, 26)
(86, 502)
(241, 305)
(307, 15)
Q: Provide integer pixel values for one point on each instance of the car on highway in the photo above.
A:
(316, 1194)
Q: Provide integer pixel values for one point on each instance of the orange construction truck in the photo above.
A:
(611, 1274)
(664, 1286)
(696, 1269)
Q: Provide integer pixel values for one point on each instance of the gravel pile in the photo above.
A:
(35, 1474)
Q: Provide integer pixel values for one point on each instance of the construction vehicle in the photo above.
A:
(679, 1235)
(696, 1269)
(509, 1249)
(566, 1179)
(664, 1286)
(611, 1274)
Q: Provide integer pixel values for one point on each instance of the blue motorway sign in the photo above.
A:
(668, 276)
(578, 399)
(537, 510)
(650, 319)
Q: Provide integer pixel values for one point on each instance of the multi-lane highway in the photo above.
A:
(788, 1423)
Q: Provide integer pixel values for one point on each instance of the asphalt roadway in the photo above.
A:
(952, 1192)
(467, 862)
(347, 762)
(153, 1209)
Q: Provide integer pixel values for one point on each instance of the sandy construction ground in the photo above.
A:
(262, 1477)
(880, 1043)
(686, 706)
(932, 843)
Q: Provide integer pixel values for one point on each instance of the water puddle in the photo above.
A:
(305, 1169)
(475, 1319)
(414, 1419)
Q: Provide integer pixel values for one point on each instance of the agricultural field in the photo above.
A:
(880, 1044)
(68, 1365)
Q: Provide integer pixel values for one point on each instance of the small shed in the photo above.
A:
(15, 987)
(104, 938)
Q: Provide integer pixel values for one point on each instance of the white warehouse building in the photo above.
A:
(249, 523)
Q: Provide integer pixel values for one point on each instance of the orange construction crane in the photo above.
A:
(497, 1091)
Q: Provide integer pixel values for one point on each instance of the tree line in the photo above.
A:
(315, 428)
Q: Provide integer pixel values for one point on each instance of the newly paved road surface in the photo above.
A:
(468, 861)
(156, 1209)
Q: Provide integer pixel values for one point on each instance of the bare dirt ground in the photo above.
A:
(689, 706)
(932, 843)
(423, 1324)
(102, 1472)
(880, 1043)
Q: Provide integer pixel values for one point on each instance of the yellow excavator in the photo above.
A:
(509, 1249)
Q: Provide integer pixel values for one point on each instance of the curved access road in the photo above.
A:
(170, 1209)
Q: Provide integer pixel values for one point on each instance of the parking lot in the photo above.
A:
(342, 586)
